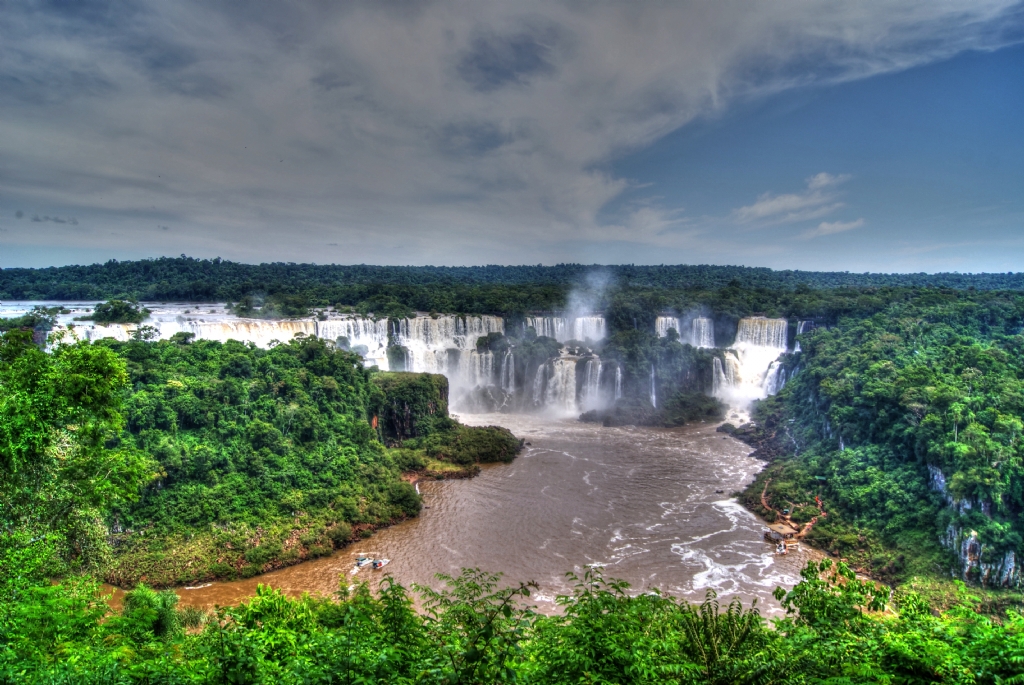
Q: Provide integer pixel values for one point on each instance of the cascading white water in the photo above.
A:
(759, 331)
(702, 332)
(549, 326)
(618, 382)
(373, 335)
(654, 393)
(428, 340)
(508, 373)
(774, 378)
(590, 393)
(588, 328)
(802, 327)
(474, 370)
(560, 393)
(257, 331)
(539, 381)
(665, 323)
(751, 370)
(561, 329)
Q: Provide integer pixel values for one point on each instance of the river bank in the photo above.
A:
(641, 502)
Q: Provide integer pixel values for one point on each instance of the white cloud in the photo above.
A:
(818, 200)
(831, 227)
(825, 180)
(445, 132)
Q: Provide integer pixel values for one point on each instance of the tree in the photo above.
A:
(61, 465)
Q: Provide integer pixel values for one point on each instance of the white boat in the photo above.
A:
(380, 563)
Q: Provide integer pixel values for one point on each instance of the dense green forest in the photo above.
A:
(243, 459)
(476, 631)
(292, 288)
(908, 424)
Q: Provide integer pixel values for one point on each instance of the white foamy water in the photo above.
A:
(642, 502)
(750, 370)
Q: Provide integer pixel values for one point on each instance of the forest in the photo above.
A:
(908, 424)
(503, 290)
(222, 460)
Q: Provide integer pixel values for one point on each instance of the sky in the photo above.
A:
(861, 136)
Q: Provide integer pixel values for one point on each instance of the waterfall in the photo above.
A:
(539, 381)
(588, 328)
(618, 382)
(591, 390)
(561, 329)
(702, 332)
(774, 378)
(360, 332)
(474, 370)
(759, 331)
(654, 394)
(508, 372)
(802, 327)
(751, 369)
(257, 331)
(549, 326)
(663, 323)
(560, 393)
(429, 339)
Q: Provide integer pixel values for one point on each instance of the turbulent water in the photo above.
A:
(751, 370)
(642, 502)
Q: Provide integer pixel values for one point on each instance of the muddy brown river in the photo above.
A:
(644, 503)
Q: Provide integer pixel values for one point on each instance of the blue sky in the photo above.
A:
(934, 155)
(879, 135)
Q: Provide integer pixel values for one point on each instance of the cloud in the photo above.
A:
(445, 132)
(826, 180)
(818, 200)
(54, 219)
(831, 227)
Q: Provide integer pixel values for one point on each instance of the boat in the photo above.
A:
(380, 563)
(363, 561)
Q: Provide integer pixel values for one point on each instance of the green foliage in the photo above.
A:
(886, 409)
(261, 452)
(471, 289)
(474, 631)
(39, 319)
(117, 311)
(410, 405)
(469, 445)
(148, 613)
(58, 475)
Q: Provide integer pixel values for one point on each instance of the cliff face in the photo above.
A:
(977, 562)
(409, 405)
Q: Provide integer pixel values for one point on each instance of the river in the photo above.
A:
(650, 505)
